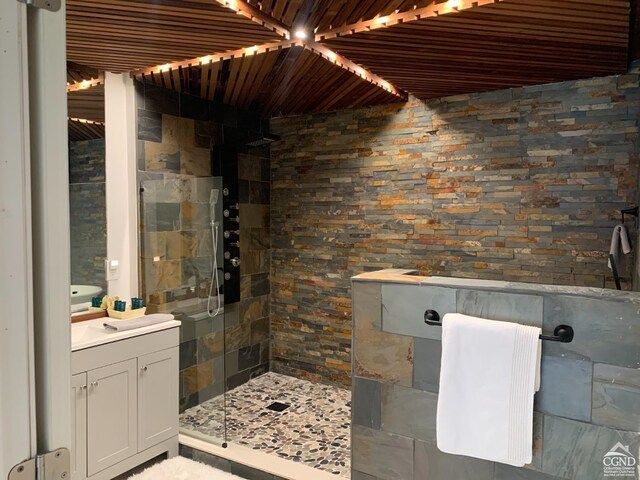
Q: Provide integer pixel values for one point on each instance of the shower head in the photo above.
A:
(213, 202)
(264, 139)
(213, 196)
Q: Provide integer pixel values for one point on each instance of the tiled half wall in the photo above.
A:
(589, 398)
(523, 185)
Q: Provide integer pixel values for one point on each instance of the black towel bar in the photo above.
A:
(562, 333)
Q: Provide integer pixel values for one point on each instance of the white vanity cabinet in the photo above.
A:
(125, 401)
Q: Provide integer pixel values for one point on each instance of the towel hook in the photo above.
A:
(562, 333)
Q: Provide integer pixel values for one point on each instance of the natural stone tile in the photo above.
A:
(384, 455)
(162, 158)
(238, 336)
(259, 193)
(188, 354)
(249, 167)
(409, 412)
(254, 309)
(565, 388)
(254, 216)
(149, 126)
(194, 216)
(260, 284)
(616, 397)
(507, 472)
(538, 438)
(198, 377)
(162, 100)
(355, 475)
(366, 402)
(232, 314)
(384, 356)
(178, 131)
(432, 463)
(403, 308)
(367, 306)
(204, 243)
(180, 245)
(426, 364)
(575, 450)
(161, 217)
(249, 356)
(195, 161)
(210, 346)
(195, 107)
(606, 331)
(260, 330)
(245, 286)
(508, 307)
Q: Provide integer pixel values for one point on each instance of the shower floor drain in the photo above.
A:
(278, 406)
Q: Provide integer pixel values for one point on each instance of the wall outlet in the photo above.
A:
(112, 269)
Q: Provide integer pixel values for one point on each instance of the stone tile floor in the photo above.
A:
(314, 430)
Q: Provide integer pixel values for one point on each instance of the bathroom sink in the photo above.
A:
(91, 333)
(86, 333)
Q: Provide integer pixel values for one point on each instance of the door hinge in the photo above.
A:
(54, 465)
(51, 5)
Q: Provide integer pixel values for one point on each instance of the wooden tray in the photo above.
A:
(127, 314)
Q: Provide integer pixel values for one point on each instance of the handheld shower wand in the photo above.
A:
(213, 203)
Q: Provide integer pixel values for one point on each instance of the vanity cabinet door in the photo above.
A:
(157, 397)
(111, 415)
(79, 427)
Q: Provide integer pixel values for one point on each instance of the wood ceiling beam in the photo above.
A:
(432, 10)
(345, 63)
(220, 57)
(256, 15)
(84, 84)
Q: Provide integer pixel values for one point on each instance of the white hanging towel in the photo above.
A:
(619, 238)
(489, 374)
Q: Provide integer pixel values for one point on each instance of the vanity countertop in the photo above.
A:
(92, 333)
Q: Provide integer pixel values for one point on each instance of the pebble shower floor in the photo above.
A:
(314, 430)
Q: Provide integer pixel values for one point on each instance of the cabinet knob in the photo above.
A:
(145, 368)
(94, 384)
(83, 387)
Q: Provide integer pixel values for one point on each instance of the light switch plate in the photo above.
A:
(112, 269)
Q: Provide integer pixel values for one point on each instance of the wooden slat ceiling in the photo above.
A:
(122, 35)
(507, 44)
(323, 14)
(429, 48)
(281, 82)
(79, 131)
(87, 104)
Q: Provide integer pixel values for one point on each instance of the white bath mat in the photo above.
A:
(180, 468)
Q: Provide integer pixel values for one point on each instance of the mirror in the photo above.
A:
(87, 185)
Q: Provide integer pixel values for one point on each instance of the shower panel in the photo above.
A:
(181, 259)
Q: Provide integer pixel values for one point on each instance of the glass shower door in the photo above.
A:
(181, 272)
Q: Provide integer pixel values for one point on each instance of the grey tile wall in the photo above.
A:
(88, 212)
(584, 408)
(518, 185)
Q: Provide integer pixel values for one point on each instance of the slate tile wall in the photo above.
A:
(586, 403)
(523, 184)
(178, 137)
(88, 212)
